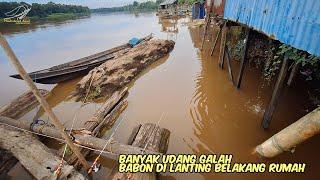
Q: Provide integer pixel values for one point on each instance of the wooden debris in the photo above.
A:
(150, 137)
(82, 139)
(34, 155)
(21, 105)
(116, 73)
(107, 114)
(16, 109)
(290, 137)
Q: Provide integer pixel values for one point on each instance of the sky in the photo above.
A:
(89, 3)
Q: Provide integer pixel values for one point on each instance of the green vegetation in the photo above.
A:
(134, 7)
(190, 2)
(43, 11)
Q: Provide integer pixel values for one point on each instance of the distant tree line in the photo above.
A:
(44, 10)
(135, 6)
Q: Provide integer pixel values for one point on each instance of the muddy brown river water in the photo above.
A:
(203, 110)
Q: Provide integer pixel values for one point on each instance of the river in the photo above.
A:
(203, 110)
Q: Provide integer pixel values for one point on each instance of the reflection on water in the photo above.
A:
(202, 109)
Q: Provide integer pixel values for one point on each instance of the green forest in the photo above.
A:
(135, 6)
(49, 10)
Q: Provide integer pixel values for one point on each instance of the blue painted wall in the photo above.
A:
(293, 22)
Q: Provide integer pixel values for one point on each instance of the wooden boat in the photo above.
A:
(77, 68)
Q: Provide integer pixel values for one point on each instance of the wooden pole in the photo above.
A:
(207, 24)
(229, 64)
(15, 62)
(293, 73)
(215, 41)
(223, 44)
(290, 137)
(276, 94)
(243, 59)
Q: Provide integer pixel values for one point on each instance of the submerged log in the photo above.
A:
(290, 137)
(34, 155)
(149, 137)
(81, 139)
(21, 105)
(116, 73)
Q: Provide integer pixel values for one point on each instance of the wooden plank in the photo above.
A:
(150, 137)
(21, 105)
(34, 155)
(275, 95)
(243, 59)
(223, 45)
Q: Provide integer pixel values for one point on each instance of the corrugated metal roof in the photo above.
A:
(168, 2)
(293, 22)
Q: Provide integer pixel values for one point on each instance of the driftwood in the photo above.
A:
(16, 109)
(82, 139)
(21, 105)
(150, 137)
(34, 155)
(107, 114)
(290, 137)
(116, 73)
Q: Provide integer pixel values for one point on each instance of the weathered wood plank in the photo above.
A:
(243, 59)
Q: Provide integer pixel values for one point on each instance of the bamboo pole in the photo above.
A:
(290, 137)
(223, 44)
(215, 41)
(15, 62)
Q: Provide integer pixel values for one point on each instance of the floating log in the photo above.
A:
(275, 95)
(150, 137)
(107, 114)
(78, 138)
(34, 155)
(116, 73)
(290, 137)
(21, 105)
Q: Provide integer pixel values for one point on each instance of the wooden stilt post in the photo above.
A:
(215, 41)
(293, 73)
(243, 59)
(229, 64)
(208, 21)
(223, 45)
(205, 31)
(276, 94)
(15, 62)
